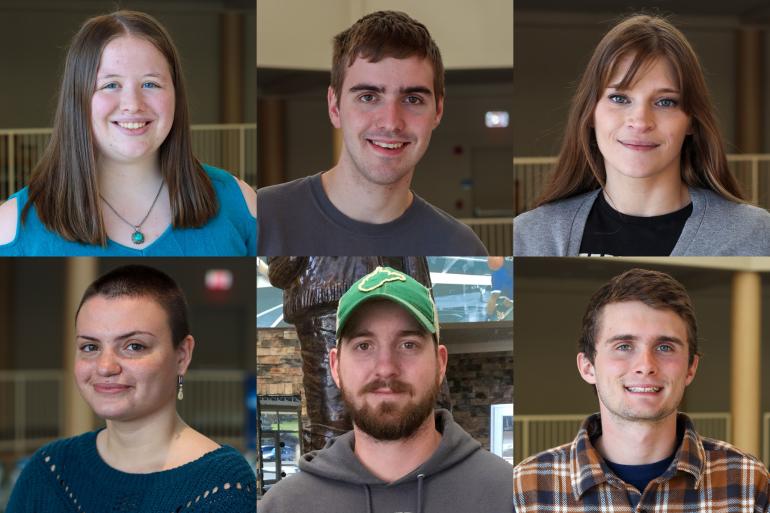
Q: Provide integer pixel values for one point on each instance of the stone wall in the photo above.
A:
(476, 381)
(279, 364)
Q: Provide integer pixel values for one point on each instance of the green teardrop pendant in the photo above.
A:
(137, 237)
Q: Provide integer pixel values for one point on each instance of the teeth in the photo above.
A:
(132, 126)
(643, 389)
(392, 146)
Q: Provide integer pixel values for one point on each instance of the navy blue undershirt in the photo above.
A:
(640, 475)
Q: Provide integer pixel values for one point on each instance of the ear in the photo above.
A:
(439, 112)
(333, 106)
(586, 369)
(334, 363)
(691, 371)
(443, 357)
(184, 354)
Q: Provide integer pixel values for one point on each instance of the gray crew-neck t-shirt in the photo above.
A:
(297, 218)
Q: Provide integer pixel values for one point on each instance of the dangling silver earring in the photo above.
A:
(180, 387)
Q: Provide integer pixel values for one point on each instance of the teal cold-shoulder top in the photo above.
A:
(231, 232)
(69, 476)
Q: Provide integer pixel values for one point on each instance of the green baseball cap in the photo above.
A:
(387, 283)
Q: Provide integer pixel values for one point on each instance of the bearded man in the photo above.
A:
(402, 455)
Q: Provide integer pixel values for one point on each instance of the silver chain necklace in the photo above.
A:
(137, 237)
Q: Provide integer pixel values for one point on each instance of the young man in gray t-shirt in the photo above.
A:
(387, 97)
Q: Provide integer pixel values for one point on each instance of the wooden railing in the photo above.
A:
(530, 174)
(31, 402)
(232, 147)
(535, 433)
(495, 232)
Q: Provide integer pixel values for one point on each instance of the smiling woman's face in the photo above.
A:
(132, 108)
(640, 130)
(126, 366)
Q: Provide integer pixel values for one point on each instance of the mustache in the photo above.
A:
(393, 384)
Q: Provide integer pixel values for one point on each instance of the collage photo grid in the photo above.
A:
(270, 256)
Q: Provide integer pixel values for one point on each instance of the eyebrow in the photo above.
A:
(401, 333)
(119, 337)
(381, 89)
(116, 75)
(657, 91)
(634, 338)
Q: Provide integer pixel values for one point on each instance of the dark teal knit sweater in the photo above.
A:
(70, 476)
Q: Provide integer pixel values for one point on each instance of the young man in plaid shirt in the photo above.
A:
(639, 349)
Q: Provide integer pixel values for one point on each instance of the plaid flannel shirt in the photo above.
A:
(706, 476)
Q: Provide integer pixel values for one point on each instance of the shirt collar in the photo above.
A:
(588, 468)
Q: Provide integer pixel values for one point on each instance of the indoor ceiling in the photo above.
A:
(110, 5)
(748, 10)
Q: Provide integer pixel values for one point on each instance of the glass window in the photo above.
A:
(466, 289)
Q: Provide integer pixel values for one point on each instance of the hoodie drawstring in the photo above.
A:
(368, 499)
(420, 477)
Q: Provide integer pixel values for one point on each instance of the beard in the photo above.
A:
(388, 421)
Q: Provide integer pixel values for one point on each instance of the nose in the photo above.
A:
(387, 363)
(391, 117)
(131, 99)
(645, 364)
(108, 364)
(640, 117)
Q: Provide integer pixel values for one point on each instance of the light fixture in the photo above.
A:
(496, 119)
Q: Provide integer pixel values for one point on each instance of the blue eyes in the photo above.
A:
(663, 348)
(621, 99)
(618, 98)
(145, 85)
(667, 102)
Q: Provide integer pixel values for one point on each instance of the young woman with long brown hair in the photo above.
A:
(642, 167)
(118, 176)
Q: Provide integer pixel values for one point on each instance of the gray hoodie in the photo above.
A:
(460, 477)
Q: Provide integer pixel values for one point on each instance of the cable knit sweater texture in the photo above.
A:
(70, 476)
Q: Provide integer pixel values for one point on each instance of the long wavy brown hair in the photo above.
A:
(64, 188)
(580, 166)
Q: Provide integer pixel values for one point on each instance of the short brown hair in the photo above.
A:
(703, 163)
(653, 288)
(63, 188)
(143, 281)
(384, 34)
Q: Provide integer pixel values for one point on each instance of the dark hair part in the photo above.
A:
(653, 288)
(580, 166)
(142, 281)
(64, 187)
(384, 34)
